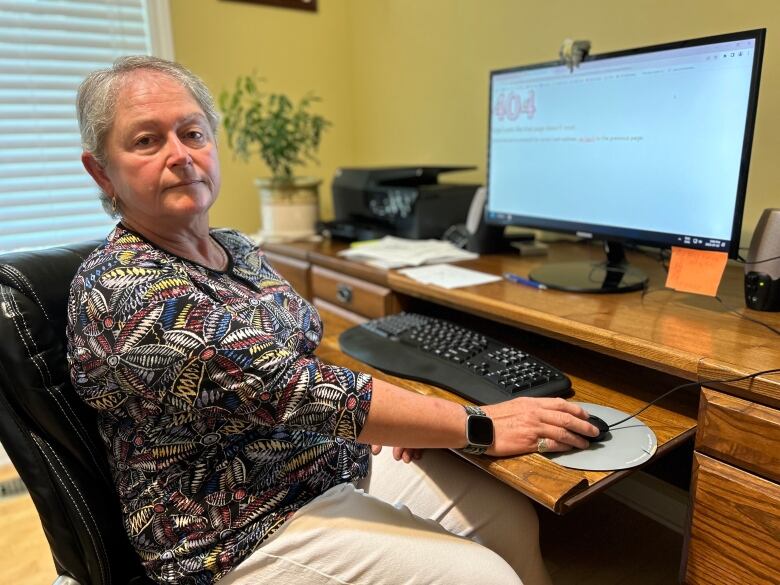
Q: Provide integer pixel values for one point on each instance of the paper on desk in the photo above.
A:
(392, 252)
(448, 276)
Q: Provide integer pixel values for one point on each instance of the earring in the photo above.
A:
(113, 205)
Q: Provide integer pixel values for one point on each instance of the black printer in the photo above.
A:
(407, 202)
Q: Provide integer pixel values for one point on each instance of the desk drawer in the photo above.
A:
(364, 298)
(295, 271)
(740, 432)
(735, 527)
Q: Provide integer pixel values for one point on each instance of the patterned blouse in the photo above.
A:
(218, 420)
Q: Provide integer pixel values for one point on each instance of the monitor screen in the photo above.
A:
(649, 146)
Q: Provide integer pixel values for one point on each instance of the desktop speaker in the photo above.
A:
(483, 238)
(762, 268)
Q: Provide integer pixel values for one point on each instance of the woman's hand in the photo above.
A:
(519, 424)
(401, 453)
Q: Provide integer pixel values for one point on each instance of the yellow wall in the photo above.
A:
(295, 51)
(406, 81)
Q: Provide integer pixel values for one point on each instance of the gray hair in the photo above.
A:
(98, 93)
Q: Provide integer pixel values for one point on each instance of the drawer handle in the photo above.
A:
(344, 293)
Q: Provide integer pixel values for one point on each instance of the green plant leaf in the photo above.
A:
(270, 125)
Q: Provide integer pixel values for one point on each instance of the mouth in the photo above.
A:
(184, 184)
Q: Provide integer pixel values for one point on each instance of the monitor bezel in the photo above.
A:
(630, 235)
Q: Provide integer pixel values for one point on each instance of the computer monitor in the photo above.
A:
(648, 146)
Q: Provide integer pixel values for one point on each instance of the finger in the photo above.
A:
(407, 455)
(418, 453)
(398, 453)
(554, 446)
(375, 449)
(569, 422)
(563, 436)
(559, 404)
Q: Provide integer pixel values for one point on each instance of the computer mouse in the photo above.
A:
(601, 426)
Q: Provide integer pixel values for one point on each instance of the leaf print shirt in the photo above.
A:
(219, 421)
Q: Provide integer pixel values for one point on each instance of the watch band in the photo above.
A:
(471, 448)
(475, 410)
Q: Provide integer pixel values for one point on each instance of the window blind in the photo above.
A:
(47, 47)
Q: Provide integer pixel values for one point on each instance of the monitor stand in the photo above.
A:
(613, 276)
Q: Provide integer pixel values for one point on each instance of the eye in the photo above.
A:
(144, 141)
(195, 136)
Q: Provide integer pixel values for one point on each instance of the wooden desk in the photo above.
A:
(620, 350)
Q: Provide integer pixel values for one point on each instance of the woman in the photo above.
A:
(234, 450)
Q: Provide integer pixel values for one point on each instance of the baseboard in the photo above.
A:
(654, 498)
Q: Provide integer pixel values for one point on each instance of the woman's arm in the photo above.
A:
(400, 417)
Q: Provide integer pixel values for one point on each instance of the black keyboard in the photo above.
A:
(442, 353)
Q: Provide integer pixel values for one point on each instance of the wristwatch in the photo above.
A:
(479, 431)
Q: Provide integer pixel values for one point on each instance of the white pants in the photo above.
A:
(439, 520)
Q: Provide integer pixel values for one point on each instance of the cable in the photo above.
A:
(741, 259)
(738, 314)
(661, 254)
(690, 384)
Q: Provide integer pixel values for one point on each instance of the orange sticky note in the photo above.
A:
(696, 271)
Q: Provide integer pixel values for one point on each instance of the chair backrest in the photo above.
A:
(48, 432)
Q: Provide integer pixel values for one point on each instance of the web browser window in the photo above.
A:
(651, 141)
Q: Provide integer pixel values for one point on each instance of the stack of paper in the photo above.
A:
(392, 252)
(447, 276)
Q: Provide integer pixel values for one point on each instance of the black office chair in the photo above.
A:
(48, 432)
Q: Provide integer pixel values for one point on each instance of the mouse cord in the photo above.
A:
(690, 384)
(736, 312)
(744, 261)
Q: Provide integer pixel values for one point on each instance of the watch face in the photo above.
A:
(480, 430)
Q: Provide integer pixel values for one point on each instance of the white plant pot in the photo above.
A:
(288, 212)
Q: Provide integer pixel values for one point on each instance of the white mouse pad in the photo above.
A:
(629, 444)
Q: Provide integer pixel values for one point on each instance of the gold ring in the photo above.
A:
(541, 445)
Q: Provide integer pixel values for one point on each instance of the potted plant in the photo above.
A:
(284, 135)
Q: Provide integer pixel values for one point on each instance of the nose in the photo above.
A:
(178, 154)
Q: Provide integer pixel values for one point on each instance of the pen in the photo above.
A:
(525, 281)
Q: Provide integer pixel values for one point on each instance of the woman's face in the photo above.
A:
(162, 158)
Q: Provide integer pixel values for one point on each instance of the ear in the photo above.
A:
(97, 172)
